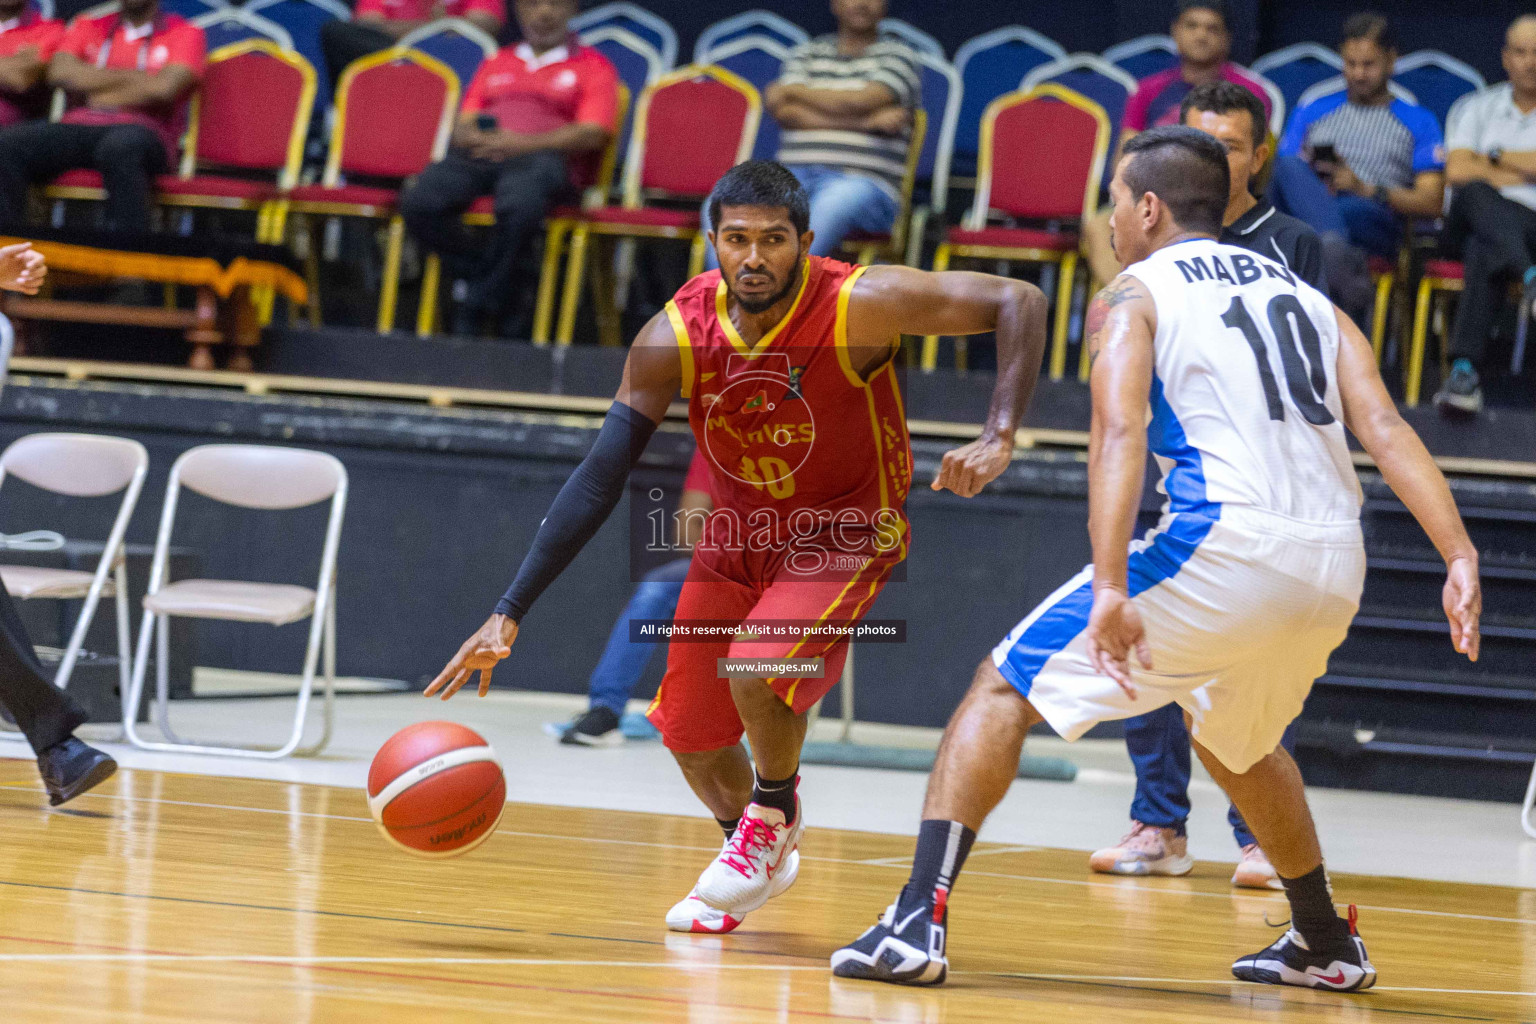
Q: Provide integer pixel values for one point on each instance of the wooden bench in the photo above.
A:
(226, 310)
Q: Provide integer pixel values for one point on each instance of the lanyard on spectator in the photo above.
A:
(142, 63)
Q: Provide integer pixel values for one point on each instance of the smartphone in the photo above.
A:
(485, 122)
(1325, 160)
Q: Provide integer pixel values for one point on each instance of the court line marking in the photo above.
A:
(304, 961)
(892, 862)
(681, 965)
(1246, 987)
(622, 995)
(346, 915)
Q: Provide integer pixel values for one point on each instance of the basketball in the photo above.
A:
(435, 789)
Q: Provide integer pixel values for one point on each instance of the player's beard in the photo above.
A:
(760, 305)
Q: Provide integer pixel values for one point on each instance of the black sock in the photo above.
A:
(777, 793)
(728, 825)
(1312, 913)
(942, 847)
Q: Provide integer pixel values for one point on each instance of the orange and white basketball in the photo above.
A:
(435, 789)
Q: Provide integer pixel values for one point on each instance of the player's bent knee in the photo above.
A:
(988, 684)
(705, 760)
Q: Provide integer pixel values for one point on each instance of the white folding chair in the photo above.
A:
(7, 346)
(80, 466)
(252, 477)
(1530, 803)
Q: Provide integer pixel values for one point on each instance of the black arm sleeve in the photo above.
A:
(582, 506)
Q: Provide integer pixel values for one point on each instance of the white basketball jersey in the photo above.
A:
(1245, 393)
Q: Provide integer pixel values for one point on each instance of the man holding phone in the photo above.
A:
(534, 122)
(1353, 164)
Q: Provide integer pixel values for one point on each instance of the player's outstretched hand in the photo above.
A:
(969, 468)
(480, 653)
(1114, 630)
(22, 268)
(1463, 601)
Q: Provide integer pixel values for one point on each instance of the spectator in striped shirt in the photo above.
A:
(1353, 163)
(845, 102)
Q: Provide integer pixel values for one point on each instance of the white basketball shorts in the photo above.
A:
(1242, 608)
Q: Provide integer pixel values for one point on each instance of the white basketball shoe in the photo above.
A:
(692, 914)
(741, 879)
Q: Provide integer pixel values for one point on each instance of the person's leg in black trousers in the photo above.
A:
(1495, 237)
(45, 714)
(526, 189)
(1496, 240)
(432, 208)
(128, 157)
(343, 42)
(38, 151)
(523, 189)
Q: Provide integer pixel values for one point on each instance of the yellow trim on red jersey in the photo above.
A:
(874, 429)
(901, 407)
(840, 332)
(684, 346)
(723, 314)
(854, 616)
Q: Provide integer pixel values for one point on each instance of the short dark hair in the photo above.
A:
(1225, 98)
(1216, 7)
(762, 183)
(1186, 169)
(1369, 25)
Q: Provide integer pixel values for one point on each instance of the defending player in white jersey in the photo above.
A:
(1232, 605)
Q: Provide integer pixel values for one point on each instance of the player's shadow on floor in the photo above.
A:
(80, 812)
(73, 811)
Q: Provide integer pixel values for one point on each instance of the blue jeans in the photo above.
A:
(1159, 747)
(623, 660)
(841, 204)
(1296, 189)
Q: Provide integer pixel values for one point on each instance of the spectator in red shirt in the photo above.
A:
(377, 24)
(1204, 41)
(129, 76)
(533, 122)
(27, 42)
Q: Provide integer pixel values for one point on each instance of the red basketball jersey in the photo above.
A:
(794, 438)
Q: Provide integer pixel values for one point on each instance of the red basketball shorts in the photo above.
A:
(693, 707)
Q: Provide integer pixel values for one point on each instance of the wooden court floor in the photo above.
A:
(172, 898)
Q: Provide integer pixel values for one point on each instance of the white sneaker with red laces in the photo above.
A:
(691, 914)
(741, 879)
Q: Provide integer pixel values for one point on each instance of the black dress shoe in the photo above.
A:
(71, 767)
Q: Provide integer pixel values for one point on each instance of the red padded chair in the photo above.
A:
(254, 106)
(251, 112)
(1042, 158)
(706, 119)
(394, 114)
(1440, 277)
(1383, 275)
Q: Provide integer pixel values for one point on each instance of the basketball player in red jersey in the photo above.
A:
(786, 362)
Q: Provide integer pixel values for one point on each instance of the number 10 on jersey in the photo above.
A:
(1294, 335)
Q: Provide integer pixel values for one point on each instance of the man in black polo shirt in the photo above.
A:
(1158, 742)
(1236, 118)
